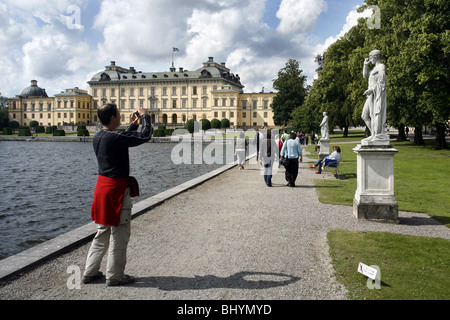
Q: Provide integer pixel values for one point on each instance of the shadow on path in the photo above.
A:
(240, 280)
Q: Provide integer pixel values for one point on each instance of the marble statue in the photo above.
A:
(374, 112)
(324, 127)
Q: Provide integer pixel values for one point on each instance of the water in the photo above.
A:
(47, 187)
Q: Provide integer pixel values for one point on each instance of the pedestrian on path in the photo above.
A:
(268, 153)
(111, 209)
(292, 152)
(240, 150)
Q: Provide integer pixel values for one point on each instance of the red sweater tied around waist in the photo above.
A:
(108, 199)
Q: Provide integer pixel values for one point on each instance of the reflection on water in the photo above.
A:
(47, 187)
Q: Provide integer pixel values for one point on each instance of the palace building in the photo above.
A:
(72, 106)
(171, 98)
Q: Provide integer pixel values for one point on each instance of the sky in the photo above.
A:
(63, 43)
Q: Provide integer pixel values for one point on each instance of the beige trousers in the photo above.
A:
(116, 240)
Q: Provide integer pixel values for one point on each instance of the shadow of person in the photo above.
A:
(240, 280)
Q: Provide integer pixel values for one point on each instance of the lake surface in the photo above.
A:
(47, 187)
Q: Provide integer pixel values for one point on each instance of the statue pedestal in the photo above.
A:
(374, 198)
(324, 148)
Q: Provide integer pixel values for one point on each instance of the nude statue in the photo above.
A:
(374, 112)
(324, 127)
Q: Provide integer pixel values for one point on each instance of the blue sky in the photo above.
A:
(254, 37)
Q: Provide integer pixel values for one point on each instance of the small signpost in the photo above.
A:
(367, 271)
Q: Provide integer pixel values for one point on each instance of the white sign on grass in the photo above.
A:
(367, 271)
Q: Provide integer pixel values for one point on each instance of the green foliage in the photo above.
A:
(4, 118)
(190, 125)
(168, 132)
(51, 130)
(291, 87)
(216, 124)
(34, 124)
(414, 39)
(24, 132)
(40, 129)
(59, 133)
(159, 133)
(225, 123)
(7, 131)
(14, 124)
(206, 124)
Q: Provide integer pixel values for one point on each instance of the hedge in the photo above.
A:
(59, 133)
(7, 131)
(24, 132)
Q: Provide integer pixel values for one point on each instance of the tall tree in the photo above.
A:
(415, 39)
(291, 87)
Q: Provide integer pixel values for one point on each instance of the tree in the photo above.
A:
(216, 124)
(225, 123)
(4, 118)
(206, 124)
(415, 40)
(291, 87)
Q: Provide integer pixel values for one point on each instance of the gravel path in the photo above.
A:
(229, 238)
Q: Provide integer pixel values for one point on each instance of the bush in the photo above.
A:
(40, 129)
(82, 131)
(51, 129)
(168, 132)
(215, 124)
(14, 124)
(159, 133)
(225, 123)
(206, 124)
(190, 125)
(24, 132)
(34, 124)
(59, 133)
(7, 131)
(162, 128)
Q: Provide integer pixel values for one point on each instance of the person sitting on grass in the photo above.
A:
(334, 157)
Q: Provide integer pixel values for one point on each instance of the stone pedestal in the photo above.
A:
(374, 197)
(324, 148)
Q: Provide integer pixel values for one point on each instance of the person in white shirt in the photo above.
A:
(335, 156)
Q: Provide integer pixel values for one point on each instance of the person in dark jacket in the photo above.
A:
(111, 208)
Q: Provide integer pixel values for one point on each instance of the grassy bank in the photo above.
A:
(411, 268)
(420, 181)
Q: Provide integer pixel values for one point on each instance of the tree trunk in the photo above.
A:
(345, 131)
(441, 143)
(418, 138)
(401, 133)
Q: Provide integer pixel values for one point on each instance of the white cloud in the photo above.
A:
(351, 21)
(299, 15)
(36, 42)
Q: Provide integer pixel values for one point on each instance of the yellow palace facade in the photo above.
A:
(171, 98)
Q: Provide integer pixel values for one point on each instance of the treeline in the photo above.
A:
(414, 38)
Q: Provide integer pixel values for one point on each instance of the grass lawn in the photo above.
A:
(411, 268)
(421, 177)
